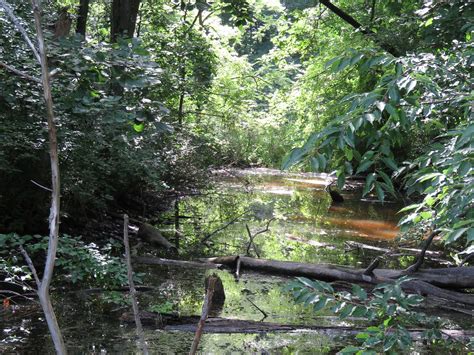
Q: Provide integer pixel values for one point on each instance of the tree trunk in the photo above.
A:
(83, 12)
(43, 290)
(124, 18)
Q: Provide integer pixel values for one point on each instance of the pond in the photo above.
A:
(297, 221)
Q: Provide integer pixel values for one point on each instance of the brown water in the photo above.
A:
(305, 226)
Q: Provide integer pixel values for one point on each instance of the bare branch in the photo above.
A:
(43, 187)
(207, 237)
(133, 291)
(31, 266)
(265, 315)
(20, 73)
(20, 28)
(421, 256)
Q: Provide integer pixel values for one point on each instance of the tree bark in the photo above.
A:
(124, 18)
(83, 12)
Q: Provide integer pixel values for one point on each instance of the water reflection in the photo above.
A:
(306, 227)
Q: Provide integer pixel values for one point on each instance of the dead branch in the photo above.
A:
(210, 235)
(252, 237)
(133, 291)
(265, 315)
(421, 256)
(19, 26)
(20, 73)
(205, 310)
(373, 265)
(31, 266)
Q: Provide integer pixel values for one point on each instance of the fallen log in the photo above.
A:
(150, 234)
(455, 277)
(150, 260)
(211, 281)
(426, 280)
(171, 322)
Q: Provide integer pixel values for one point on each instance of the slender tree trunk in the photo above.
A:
(43, 290)
(133, 291)
(82, 17)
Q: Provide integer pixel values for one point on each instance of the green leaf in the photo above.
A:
(314, 164)
(323, 301)
(349, 154)
(350, 350)
(388, 182)
(390, 163)
(369, 183)
(394, 94)
(455, 235)
(389, 342)
(426, 215)
(359, 292)
(364, 166)
(380, 192)
(294, 157)
(392, 111)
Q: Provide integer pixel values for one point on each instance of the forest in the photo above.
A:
(248, 176)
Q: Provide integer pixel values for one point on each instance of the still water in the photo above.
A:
(303, 225)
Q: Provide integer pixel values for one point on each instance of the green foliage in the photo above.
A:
(166, 307)
(77, 262)
(409, 126)
(100, 91)
(387, 306)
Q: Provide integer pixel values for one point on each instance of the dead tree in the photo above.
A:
(43, 285)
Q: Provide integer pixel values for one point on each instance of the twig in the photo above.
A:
(20, 28)
(31, 266)
(133, 291)
(43, 187)
(421, 256)
(251, 242)
(20, 73)
(265, 315)
(205, 311)
(373, 265)
(210, 235)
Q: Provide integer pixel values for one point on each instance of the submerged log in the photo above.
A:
(224, 325)
(151, 260)
(150, 234)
